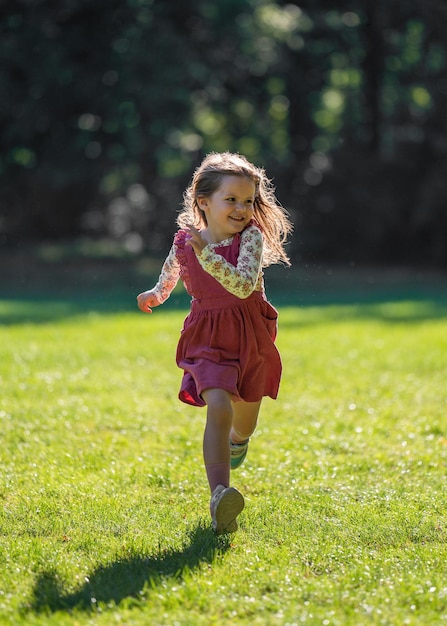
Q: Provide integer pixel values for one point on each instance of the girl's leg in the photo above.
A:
(245, 418)
(216, 451)
(226, 502)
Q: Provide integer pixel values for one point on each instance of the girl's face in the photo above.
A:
(229, 209)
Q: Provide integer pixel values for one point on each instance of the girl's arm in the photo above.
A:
(241, 280)
(167, 280)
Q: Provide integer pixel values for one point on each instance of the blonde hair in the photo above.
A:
(268, 212)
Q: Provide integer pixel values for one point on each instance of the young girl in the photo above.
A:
(231, 226)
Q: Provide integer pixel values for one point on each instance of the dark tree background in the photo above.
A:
(107, 106)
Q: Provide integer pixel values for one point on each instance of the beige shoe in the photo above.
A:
(226, 504)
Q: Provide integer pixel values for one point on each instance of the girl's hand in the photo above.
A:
(197, 242)
(146, 300)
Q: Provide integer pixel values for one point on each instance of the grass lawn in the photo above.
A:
(104, 516)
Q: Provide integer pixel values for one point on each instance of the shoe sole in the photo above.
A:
(236, 462)
(227, 509)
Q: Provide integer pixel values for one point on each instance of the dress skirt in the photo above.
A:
(228, 343)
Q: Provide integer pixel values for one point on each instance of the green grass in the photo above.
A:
(104, 498)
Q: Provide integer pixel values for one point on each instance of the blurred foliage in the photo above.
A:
(108, 106)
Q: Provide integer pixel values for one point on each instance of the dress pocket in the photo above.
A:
(270, 315)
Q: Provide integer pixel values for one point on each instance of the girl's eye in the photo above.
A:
(232, 199)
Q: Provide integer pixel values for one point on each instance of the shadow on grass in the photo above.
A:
(399, 306)
(47, 308)
(383, 295)
(126, 578)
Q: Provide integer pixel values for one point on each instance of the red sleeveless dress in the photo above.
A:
(226, 342)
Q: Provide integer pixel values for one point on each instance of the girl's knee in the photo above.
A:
(220, 411)
(219, 405)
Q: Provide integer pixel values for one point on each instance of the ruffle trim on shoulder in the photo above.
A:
(180, 240)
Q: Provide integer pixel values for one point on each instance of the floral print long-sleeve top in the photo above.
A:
(240, 280)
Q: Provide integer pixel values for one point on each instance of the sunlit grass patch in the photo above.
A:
(104, 514)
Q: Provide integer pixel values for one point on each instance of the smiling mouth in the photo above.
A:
(237, 219)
